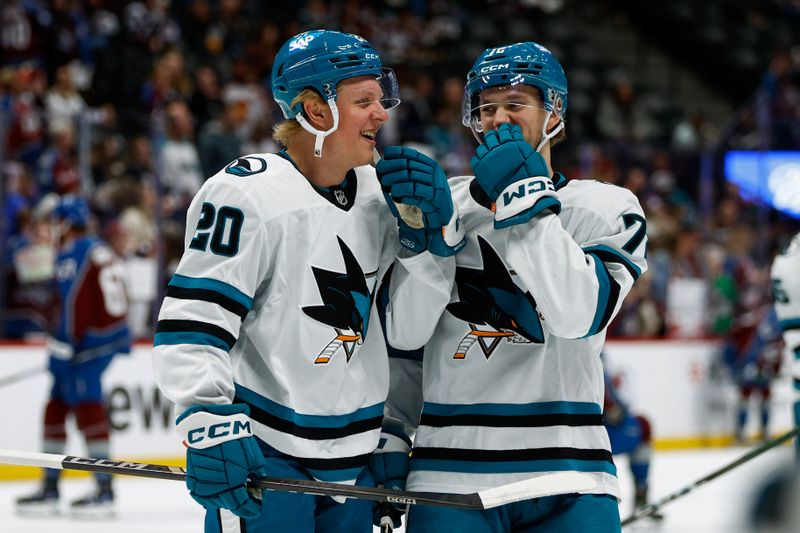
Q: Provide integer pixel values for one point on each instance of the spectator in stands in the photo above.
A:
(206, 98)
(624, 117)
(58, 165)
(218, 143)
(181, 174)
(63, 103)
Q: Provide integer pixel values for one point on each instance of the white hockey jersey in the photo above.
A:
(786, 295)
(273, 306)
(512, 382)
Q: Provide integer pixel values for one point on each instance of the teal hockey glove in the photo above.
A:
(514, 176)
(416, 190)
(221, 454)
(389, 465)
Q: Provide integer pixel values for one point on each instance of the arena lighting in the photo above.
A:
(772, 177)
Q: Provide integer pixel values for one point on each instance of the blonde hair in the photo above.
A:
(287, 130)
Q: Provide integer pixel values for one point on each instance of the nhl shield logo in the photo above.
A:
(340, 196)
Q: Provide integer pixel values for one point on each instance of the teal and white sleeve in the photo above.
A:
(225, 259)
(579, 286)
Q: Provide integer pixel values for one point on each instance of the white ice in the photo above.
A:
(722, 505)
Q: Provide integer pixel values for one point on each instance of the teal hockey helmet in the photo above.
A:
(525, 63)
(320, 60)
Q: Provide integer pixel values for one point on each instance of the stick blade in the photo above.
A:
(537, 487)
(20, 458)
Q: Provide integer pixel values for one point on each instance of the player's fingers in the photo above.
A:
(422, 168)
(490, 140)
(386, 166)
(402, 189)
(416, 155)
(388, 180)
(393, 152)
(423, 191)
(516, 133)
(504, 133)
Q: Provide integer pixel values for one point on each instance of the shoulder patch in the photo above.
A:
(246, 166)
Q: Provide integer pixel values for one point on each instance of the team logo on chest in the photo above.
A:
(493, 306)
(346, 305)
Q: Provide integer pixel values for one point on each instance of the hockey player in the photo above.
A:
(786, 295)
(629, 434)
(268, 328)
(512, 382)
(92, 327)
(753, 350)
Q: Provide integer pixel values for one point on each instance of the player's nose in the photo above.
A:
(380, 114)
(501, 116)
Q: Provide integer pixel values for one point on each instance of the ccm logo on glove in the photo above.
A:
(523, 188)
(203, 430)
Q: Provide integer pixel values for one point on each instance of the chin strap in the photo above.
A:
(547, 136)
(320, 135)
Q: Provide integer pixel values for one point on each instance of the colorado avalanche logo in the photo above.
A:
(246, 166)
(346, 305)
(489, 297)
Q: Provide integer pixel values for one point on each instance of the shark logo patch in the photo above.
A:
(246, 166)
(493, 306)
(346, 305)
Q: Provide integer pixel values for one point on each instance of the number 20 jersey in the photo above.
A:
(512, 379)
(272, 306)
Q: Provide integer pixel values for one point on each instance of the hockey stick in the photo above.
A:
(22, 374)
(546, 485)
(649, 509)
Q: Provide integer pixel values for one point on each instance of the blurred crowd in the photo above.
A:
(135, 104)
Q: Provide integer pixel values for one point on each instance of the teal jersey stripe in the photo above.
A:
(603, 292)
(511, 467)
(221, 287)
(200, 339)
(512, 409)
(789, 323)
(602, 248)
(312, 421)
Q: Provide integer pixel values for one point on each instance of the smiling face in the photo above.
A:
(361, 115)
(518, 104)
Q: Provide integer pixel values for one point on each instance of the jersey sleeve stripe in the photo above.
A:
(511, 467)
(206, 295)
(790, 324)
(607, 298)
(276, 410)
(530, 421)
(610, 255)
(518, 460)
(229, 291)
(512, 409)
(335, 469)
(192, 332)
(311, 433)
